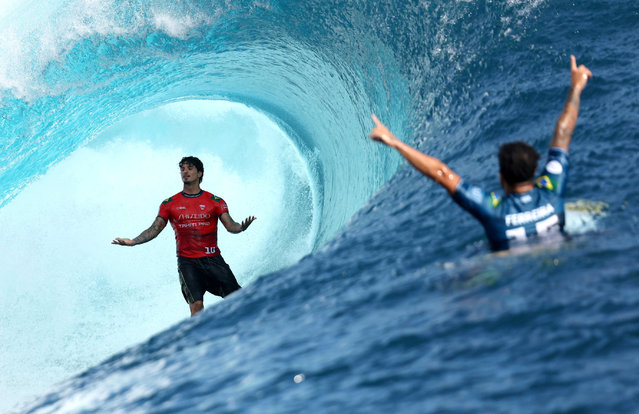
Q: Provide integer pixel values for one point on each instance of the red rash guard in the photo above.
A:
(194, 219)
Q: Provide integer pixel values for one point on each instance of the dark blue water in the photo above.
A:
(398, 305)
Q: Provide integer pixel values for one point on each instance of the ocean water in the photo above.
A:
(366, 289)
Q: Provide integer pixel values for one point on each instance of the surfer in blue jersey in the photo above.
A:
(530, 207)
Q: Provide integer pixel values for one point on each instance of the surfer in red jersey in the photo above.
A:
(193, 214)
(528, 208)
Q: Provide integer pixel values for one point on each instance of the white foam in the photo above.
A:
(178, 26)
(584, 216)
(35, 34)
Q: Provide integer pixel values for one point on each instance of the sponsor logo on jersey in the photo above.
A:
(202, 206)
(194, 216)
(519, 219)
(181, 208)
(554, 167)
(215, 198)
(476, 194)
(168, 200)
(194, 224)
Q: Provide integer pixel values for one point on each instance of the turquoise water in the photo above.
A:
(366, 288)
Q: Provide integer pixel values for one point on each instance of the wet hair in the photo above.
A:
(194, 161)
(517, 162)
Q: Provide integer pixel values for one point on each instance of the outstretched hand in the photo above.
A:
(123, 242)
(579, 74)
(247, 222)
(381, 133)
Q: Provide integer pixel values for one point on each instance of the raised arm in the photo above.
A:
(567, 121)
(431, 167)
(147, 235)
(234, 227)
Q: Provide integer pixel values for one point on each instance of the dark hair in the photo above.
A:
(517, 162)
(194, 161)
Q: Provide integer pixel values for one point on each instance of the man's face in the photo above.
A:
(189, 173)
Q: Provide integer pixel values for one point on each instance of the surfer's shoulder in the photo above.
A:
(213, 197)
(170, 199)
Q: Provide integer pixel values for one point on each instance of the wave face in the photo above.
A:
(365, 288)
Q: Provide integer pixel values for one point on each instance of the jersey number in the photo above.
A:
(542, 227)
(210, 250)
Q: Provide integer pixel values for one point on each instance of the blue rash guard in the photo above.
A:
(513, 218)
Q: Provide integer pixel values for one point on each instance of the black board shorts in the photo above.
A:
(204, 274)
